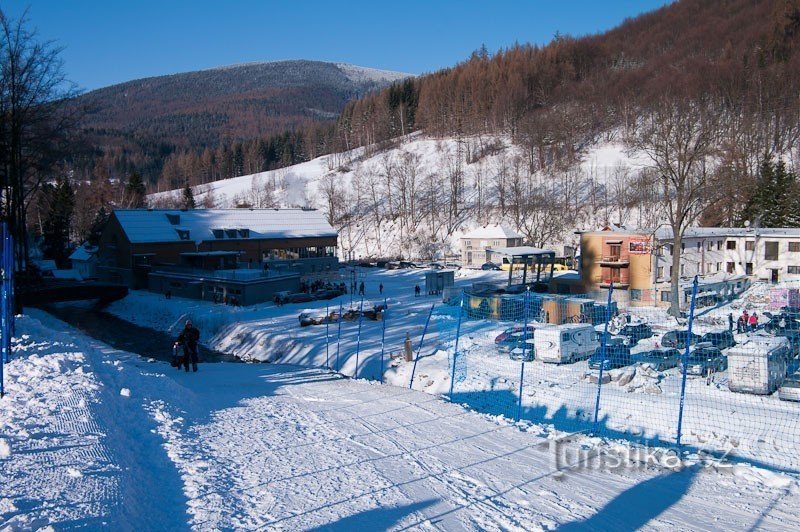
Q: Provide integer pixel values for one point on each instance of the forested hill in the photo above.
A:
(135, 125)
(738, 56)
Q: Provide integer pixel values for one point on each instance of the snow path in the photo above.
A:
(269, 447)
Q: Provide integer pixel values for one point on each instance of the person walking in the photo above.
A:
(189, 339)
(740, 325)
(746, 318)
(380, 288)
(730, 321)
(416, 291)
(361, 289)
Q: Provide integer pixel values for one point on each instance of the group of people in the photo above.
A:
(745, 323)
(318, 284)
(188, 340)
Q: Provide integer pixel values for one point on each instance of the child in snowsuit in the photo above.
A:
(189, 338)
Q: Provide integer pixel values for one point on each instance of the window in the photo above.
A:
(794, 247)
(748, 268)
(183, 234)
(565, 337)
(719, 266)
(468, 243)
(731, 267)
(683, 246)
(660, 271)
(710, 245)
(671, 248)
(730, 244)
(231, 233)
(665, 296)
(636, 294)
(699, 246)
(218, 233)
(750, 245)
(770, 251)
(683, 269)
(244, 233)
(794, 269)
(719, 245)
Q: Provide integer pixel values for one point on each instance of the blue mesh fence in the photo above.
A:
(608, 367)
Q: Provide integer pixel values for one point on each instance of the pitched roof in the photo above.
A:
(83, 253)
(166, 225)
(493, 231)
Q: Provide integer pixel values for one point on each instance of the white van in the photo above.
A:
(758, 365)
(565, 343)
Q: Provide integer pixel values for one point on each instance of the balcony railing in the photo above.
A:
(615, 259)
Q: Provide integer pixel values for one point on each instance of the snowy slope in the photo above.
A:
(303, 184)
(240, 446)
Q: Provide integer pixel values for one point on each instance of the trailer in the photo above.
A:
(565, 343)
(758, 366)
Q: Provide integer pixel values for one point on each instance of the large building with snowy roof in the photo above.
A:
(138, 243)
(477, 244)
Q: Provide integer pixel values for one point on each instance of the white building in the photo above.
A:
(767, 254)
(476, 245)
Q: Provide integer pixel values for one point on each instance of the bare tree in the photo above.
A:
(34, 122)
(677, 136)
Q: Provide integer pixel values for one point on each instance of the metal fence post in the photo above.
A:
(602, 359)
(327, 327)
(455, 349)
(685, 359)
(383, 335)
(338, 337)
(358, 336)
(419, 348)
(4, 308)
(524, 346)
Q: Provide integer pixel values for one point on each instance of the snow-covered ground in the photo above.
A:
(638, 403)
(95, 437)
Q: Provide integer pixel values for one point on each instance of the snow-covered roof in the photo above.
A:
(665, 233)
(493, 231)
(519, 251)
(167, 225)
(83, 253)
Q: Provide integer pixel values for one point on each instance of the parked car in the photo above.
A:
(490, 266)
(659, 359)
(407, 264)
(719, 339)
(617, 354)
(511, 340)
(704, 359)
(636, 332)
(790, 389)
(678, 339)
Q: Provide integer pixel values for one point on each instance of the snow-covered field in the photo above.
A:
(96, 437)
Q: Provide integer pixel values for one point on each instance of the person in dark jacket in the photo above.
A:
(189, 339)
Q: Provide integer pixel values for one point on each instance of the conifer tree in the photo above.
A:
(188, 198)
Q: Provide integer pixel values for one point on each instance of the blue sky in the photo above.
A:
(110, 41)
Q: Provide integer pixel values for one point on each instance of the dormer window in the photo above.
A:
(183, 234)
(231, 233)
(174, 219)
(244, 233)
(218, 233)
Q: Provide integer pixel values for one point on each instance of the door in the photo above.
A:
(774, 278)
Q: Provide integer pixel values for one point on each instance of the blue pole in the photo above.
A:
(602, 359)
(383, 335)
(327, 327)
(685, 361)
(3, 262)
(358, 336)
(419, 348)
(455, 350)
(524, 347)
(338, 337)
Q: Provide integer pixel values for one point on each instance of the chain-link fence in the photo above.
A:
(712, 381)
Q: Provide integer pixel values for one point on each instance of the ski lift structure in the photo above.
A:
(527, 266)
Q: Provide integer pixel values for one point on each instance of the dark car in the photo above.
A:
(705, 359)
(511, 341)
(617, 354)
(782, 324)
(490, 266)
(637, 332)
(719, 339)
(678, 339)
(660, 358)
